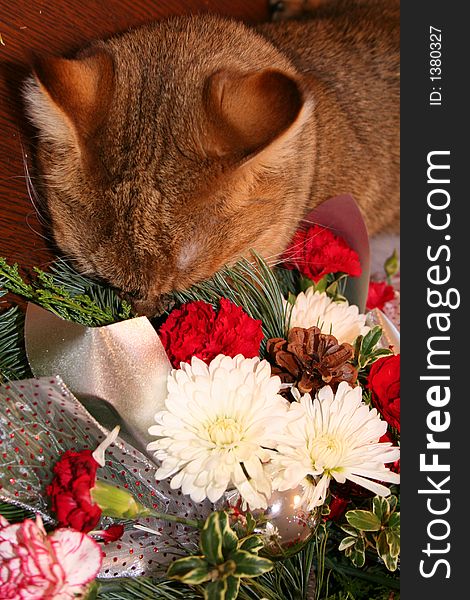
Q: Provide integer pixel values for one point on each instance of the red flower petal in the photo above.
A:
(112, 533)
(74, 476)
(379, 294)
(384, 384)
(315, 252)
(196, 329)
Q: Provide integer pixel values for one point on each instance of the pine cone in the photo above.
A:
(311, 359)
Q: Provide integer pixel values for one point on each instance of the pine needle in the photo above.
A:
(13, 362)
(143, 588)
(291, 579)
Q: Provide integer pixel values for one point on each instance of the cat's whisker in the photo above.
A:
(33, 196)
(296, 250)
(44, 237)
(21, 177)
(308, 222)
(292, 254)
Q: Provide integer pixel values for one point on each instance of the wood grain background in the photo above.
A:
(30, 27)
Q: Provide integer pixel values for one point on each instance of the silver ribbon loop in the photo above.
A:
(123, 365)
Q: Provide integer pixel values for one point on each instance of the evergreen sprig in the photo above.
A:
(13, 513)
(144, 588)
(13, 363)
(67, 294)
(290, 579)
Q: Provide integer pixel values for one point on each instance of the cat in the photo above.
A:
(172, 149)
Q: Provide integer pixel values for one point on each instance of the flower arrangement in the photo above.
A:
(280, 422)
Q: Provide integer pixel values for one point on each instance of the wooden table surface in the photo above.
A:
(59, 27)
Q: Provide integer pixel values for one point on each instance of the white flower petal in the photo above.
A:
(335, 435)
(340, 319)
(78, 554)
(373, 486)
(218, 416)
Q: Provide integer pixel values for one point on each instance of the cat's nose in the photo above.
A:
(144, 307)
(150, 306)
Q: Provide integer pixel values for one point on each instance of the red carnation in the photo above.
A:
(74, 476)
(196, 329)
(379, 294)
(316, 251)
(384, 383)
(338, 506)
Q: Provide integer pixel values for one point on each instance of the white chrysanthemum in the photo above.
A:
(219, 427)
(333, 436)
(335, 318)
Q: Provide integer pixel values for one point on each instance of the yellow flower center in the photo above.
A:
(327, 452)
(224, 432)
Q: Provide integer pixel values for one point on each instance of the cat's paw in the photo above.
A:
(289, 9)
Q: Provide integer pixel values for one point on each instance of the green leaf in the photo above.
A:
(393, 540)
(211, 539)
(358, 347)
(306, 282)
(216, 590)
(391, 562)
(291, 298)
(192, 570)
(233, 585)
(376, 354)
(332, 289)
(351, 530)
(357, 553)
(363, 520)
(251, 543)
(249, 565)
(227, 568)
(392, 501)
(394, 522)
(250, 523)
(381, 508)
(92, 591)
(391, 265)
(371, 339)
(382, 544)
(229, 537)
(346, 542)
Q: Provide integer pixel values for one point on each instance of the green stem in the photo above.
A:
(196, 523)
(121, 504)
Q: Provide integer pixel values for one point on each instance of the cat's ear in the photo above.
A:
(70, 96)
(250, 112)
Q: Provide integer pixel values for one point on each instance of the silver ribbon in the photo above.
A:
(390, 334)
(119, 372)
(39, 420)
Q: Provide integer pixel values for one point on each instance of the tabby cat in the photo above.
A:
(170, 150)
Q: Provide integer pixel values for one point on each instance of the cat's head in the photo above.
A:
(170, 151)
